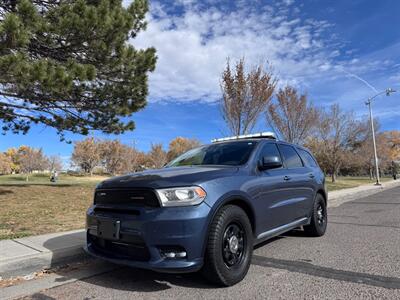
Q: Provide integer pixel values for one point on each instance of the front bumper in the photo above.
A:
(143, 236)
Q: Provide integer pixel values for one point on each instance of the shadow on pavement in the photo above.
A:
(104, 274)
(97, 272)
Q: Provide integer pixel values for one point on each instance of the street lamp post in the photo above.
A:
(369, 103)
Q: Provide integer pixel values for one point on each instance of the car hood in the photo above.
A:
(168, 177)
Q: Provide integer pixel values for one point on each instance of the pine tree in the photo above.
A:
(69, 64)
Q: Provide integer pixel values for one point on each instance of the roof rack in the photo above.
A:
(266, 134)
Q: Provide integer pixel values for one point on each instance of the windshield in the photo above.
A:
(230, 154)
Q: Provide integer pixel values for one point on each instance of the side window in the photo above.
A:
(308, 159)
(270, 149)
(290, 156)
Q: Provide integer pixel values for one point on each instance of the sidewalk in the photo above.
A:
(19, 257)
(339, 197)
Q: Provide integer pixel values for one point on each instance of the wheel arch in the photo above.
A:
(323, 193)
(238, 200)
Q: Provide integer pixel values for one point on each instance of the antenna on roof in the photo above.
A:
(266, 134)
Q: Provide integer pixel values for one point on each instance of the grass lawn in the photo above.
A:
(349, 182)
(39, 206)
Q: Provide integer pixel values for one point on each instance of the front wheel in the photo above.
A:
(319, 218)
(229, 247)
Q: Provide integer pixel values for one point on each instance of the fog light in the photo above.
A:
(172, 252)
(175, 254)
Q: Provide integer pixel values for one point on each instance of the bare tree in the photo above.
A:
(31, 159)
(55, 163)
(133, 160)
(87, 154)
(336, 134)
(157, 156)
(180, 145)
(113, 156)
(292, 116)
(245, 96)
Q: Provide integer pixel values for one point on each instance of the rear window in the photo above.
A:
(308, 159)
(290, 156)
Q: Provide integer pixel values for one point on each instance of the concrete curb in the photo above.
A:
(23, 256)
(336, 198)
(19, 257)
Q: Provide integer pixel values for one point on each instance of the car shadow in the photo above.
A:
(122, 277)
(84, 268)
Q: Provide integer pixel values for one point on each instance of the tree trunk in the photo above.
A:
(333, 176)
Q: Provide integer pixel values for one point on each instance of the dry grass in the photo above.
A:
(38, 206)
(349, 182)
(36, 209)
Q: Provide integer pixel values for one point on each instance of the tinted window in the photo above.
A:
(290, 156)
(270, 149)
(230, 153)
(307, 158)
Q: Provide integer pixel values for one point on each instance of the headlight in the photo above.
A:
(182, 196)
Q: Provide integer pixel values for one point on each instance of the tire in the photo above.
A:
(319, 218)
(230, 230)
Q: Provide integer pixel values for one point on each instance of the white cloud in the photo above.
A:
(192, 47)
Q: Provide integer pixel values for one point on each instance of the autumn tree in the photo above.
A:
(116, 157)
(245, 95)
(337, 132)
(71, 65)
(134, 160)
(12, 153)
(87, 154)
(292, 115)
(55, 163)
(5, 164)
(157, 156)
(393, 139)
(180, 145)
(31, 159)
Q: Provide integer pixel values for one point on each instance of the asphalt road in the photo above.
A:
(359, 258)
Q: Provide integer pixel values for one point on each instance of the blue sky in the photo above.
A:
(325, 48)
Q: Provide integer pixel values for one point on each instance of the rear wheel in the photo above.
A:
(319, 218)
(229, 247)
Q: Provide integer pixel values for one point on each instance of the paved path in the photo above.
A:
(358, 258)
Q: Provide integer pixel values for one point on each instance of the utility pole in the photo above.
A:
(369, 103)
(374, 143)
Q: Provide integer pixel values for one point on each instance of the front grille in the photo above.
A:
(117, 210)
(121, 250)
(134, 197)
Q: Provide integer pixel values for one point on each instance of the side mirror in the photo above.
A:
(270, 162)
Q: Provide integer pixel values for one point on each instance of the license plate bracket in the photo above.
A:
(108, 229)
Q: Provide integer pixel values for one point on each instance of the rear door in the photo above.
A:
(299, 188)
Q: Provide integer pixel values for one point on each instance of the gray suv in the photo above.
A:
(208, 208)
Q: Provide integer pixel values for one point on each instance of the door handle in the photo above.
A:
(311, 175)
(286, 178)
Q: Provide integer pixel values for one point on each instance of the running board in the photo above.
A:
(281, 229)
